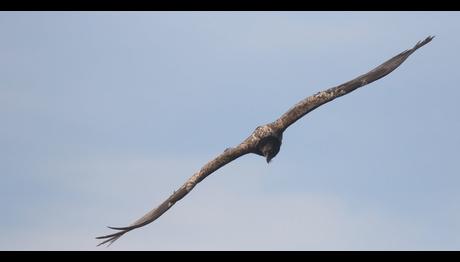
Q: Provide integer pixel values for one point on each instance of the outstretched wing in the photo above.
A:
(226, 157)
(249, 145)
(310, 103)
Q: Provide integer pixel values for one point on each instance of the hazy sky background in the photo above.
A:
(104, 114)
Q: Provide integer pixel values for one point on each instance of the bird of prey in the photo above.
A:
(266, 140)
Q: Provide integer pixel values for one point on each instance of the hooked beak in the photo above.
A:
(268, 159)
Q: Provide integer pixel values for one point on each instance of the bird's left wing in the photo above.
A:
(230, 154)
(312, 102)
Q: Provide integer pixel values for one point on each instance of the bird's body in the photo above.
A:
(266, 139)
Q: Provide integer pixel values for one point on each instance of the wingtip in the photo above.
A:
(122, 228)
(115, 228)
(429, 38)
(424, 42)
(109, 241)
(110, 238)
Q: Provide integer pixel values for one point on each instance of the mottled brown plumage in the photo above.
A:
(266, 140)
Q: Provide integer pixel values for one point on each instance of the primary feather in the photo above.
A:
(266, 140)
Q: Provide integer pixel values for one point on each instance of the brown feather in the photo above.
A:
(266, 140)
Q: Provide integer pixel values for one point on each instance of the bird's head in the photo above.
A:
(270, 148)
(268, 141)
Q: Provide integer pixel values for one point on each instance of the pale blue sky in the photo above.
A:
(104, 114)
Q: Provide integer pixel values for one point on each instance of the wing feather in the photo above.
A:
(226, 157)
(312, 102)
(249, 145)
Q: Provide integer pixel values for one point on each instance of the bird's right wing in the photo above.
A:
(310, 103)
(230, 154)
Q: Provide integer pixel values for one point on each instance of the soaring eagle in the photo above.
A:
(266, 140)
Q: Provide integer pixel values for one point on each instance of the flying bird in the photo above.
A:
(266, 140)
